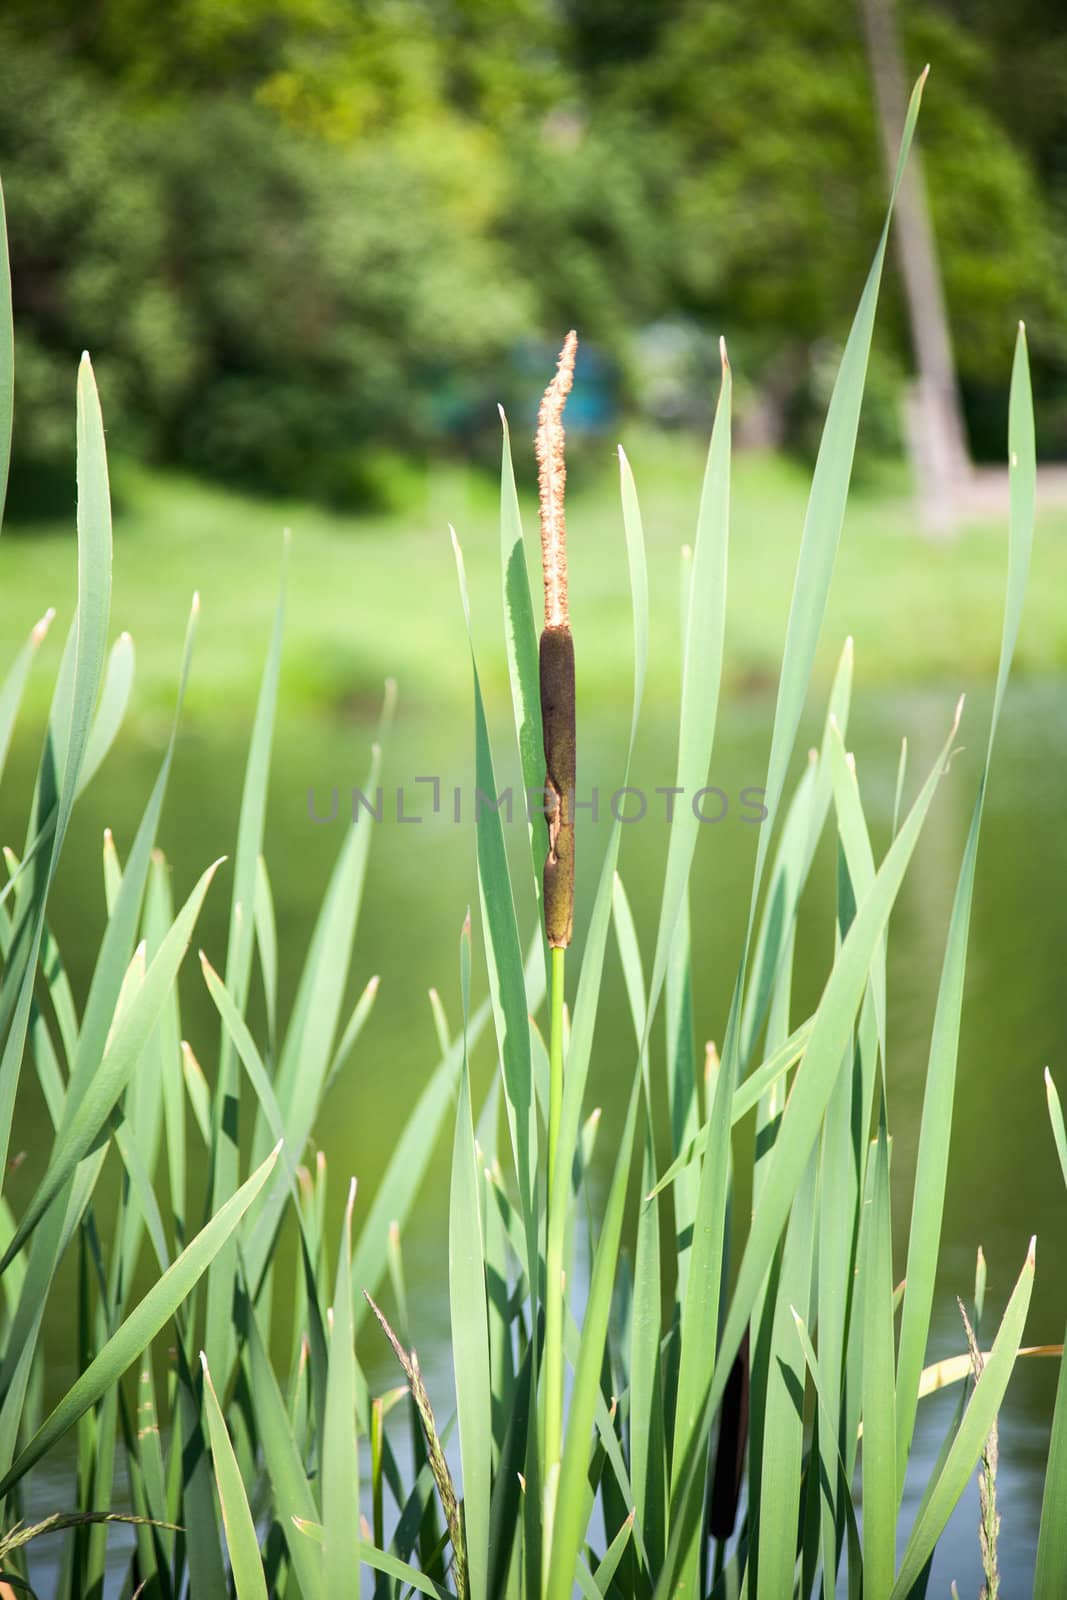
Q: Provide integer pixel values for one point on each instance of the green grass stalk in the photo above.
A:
(556, 1233)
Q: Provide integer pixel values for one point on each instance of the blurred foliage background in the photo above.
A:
(305, 238)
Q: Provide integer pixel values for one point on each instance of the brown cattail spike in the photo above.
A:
(551, 480)
(557, 719)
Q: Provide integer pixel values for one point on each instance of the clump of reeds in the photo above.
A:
(616, 1504)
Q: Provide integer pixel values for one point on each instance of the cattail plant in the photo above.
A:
(556, 661)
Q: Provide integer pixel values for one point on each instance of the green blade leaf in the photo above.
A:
(879, 1423)
(241, 1539)
(225, 1162)
(340, 1450)
(1055, 1114)
(19, 671)
(571, 1501)
(1050, 1574)
(931, 1166)
(782, 1427)
(291, 1494)
(701, 678)
(503, 952)
(86, 666)
(470, 1322)
(825, 515)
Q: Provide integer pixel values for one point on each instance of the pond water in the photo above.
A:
(1004, 1184)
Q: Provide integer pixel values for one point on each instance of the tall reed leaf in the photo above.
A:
(701, 680)
(340, 1449)
(241, 1540)
(218, 1338)
(503, 954)
(470, 1322)
(701, 675)
(15, 682)
(571, 1501)
(879, 1428)
(87, 665)
(931, 1166)
(826, 513)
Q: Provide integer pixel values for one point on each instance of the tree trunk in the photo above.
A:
(937, 440)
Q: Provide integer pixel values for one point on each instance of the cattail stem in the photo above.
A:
(556, 1209)
(555, 1235)
(555, 1063)
(558, 724)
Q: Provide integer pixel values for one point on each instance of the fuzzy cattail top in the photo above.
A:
(551, 480)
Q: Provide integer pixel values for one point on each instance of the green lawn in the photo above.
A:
(376, 596)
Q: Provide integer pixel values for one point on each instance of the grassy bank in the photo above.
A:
(375, 594)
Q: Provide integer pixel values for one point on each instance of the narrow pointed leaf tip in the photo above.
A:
(41, 627)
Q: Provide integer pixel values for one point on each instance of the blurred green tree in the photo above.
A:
(292, 230)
